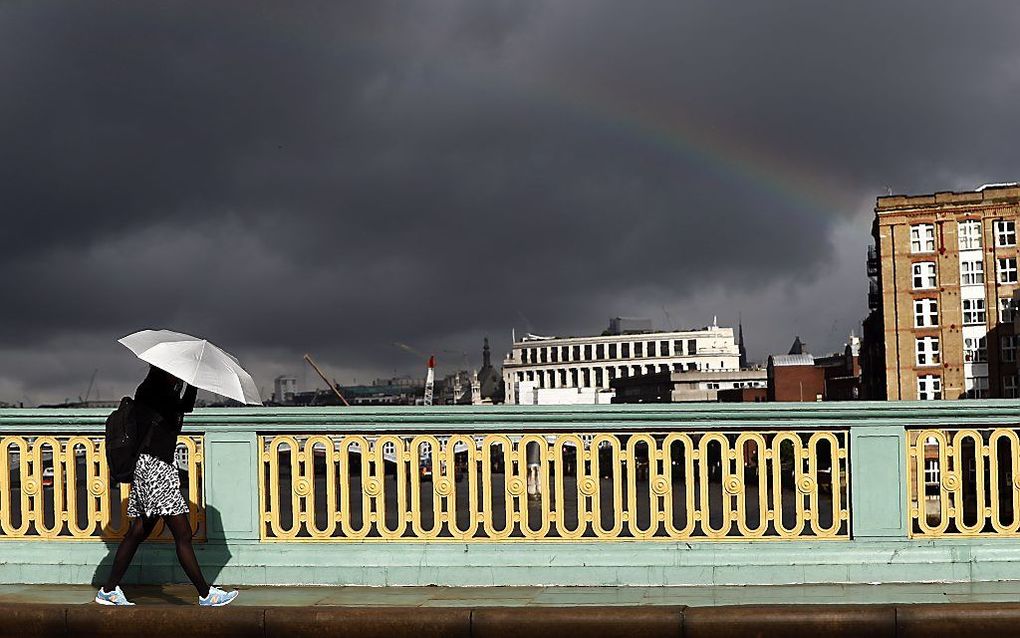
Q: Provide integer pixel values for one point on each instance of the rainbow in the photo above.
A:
(678, 133)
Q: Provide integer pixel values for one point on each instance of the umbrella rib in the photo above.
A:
(201, 355)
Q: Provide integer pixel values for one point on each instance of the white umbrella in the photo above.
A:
(195, 361)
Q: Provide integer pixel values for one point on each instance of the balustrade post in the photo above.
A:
(878, 482)
(232, 461)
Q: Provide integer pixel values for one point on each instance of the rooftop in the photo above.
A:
(792, 360)
(986, 194)
(533, 338)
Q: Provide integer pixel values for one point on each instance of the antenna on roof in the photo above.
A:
(995, 185)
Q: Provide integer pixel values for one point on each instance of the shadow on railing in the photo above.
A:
(212, 557)
(58, 487)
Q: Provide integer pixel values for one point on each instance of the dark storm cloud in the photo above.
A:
(333, 177)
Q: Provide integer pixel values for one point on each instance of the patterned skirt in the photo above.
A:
(156, 489)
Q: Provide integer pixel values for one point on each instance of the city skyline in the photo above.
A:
(333, 179)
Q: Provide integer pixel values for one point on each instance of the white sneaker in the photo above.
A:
(115, 597)
(217, 597)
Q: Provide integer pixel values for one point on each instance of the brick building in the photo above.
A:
(743, 395)
(945, 273)
(800, 376)
(794, 377)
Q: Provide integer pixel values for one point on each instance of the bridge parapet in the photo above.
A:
(507, 495)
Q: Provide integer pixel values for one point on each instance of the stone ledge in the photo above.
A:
(763, 621)
(640, 564)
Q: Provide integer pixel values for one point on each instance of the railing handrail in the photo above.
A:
(532, 418)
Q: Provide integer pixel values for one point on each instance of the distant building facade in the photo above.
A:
(744, 395)
(842, 372)
(528, 394)
(284, 389)
(399, 382)
(794, 377)
(688, 386)
(595, 362)
(873, 377)
(800, 376)
(945, 277)
(490, 383)
(454, 389)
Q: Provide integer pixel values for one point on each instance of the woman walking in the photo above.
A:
(156, 490)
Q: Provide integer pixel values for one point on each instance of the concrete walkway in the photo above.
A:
(835, 611)
(911, 593)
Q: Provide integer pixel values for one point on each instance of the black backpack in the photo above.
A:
(127, 429)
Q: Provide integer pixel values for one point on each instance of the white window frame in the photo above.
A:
(969, 234)
(1007, 348)
(974, 312)
(929, 387)
(922, 238)
(1007, 310)
(1006, 268)
(978, 387)
(972, 273)
(927, 352)
(1009, 387)
(924, 275)
(975, 349)
(1005, 232)
(926, 313)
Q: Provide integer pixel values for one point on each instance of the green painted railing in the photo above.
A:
(527, 495)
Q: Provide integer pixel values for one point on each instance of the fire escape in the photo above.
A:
(874, 284)
(873, 346)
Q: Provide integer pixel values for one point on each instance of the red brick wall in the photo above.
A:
(743, 395)
(796, 383)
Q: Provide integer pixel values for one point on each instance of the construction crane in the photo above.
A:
(407, 348)
(92, 382)
(331, 384)
(430, 375)
(430, 380)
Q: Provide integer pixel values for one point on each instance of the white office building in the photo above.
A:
(284, 389)
(591, 363)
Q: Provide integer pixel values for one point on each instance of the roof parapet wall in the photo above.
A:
(992, 195)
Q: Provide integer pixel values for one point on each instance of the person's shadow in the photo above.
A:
(155, 561)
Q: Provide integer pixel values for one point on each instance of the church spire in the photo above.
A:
(740, 343)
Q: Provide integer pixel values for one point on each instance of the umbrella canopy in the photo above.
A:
(195, 361)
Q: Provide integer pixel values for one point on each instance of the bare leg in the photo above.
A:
(181, 529)
(138, 531)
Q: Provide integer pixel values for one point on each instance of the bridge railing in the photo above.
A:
(559, 487)
(57, 487)
(593, 485)
(964, 481)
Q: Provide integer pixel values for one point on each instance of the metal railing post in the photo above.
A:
(878, 482)
(231, 485)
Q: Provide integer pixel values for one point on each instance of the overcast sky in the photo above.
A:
(335, 177)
